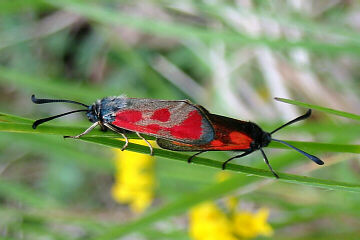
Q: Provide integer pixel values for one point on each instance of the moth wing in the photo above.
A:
(181, 121)
(229, 136)
(214, 145)
(178, 146)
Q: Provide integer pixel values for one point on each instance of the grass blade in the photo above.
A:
(323, 109)
(100, 136)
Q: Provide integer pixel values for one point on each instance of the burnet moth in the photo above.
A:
(180, 121)
(236, 135)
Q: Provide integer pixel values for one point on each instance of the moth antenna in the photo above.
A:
(302, 117)
(45, 100)
(40, 121)
(309, 156)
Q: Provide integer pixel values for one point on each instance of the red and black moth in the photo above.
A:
(177, 126)
(180, 121)
(236, 135)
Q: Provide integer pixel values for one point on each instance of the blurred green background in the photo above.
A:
(232, 57)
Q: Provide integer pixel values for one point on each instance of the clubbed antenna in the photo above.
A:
(309, 156)
(306, 115)
(41, 121)
(44, 100)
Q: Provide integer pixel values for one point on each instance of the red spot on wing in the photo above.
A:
(240, 139)
(216, 143)
(127, 119)
(129, 116)
(190, 128)
(153, 128)
(162, 115)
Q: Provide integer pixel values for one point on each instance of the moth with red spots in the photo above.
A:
(180, 121)
(235, 135)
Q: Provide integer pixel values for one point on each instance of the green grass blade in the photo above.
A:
(99, 136)
(9, 118)
(55, 145)
(323, 109)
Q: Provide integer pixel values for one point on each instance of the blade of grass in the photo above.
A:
(323, 109)
(51, 129)
(57, 146)
(5, 117)
(62, 130)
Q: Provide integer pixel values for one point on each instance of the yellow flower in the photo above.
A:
(134, 179)
(208, 222)
(248, 225)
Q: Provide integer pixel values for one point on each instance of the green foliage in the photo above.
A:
(319, 108)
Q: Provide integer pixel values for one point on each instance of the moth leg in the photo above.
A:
(191, 158)
(85, 132)
(267, 162)
(151, 148)
(103, 127)
(119, 132)
(237, 156)
(126, 142)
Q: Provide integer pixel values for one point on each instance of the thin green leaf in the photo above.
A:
(12, 123)
(57, 146)
(5, 117)
(62, 130)
(323, 109)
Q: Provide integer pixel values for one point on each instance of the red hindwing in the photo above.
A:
(230, 135)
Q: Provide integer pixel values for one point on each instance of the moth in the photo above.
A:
(180, 121)
(236, 135)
